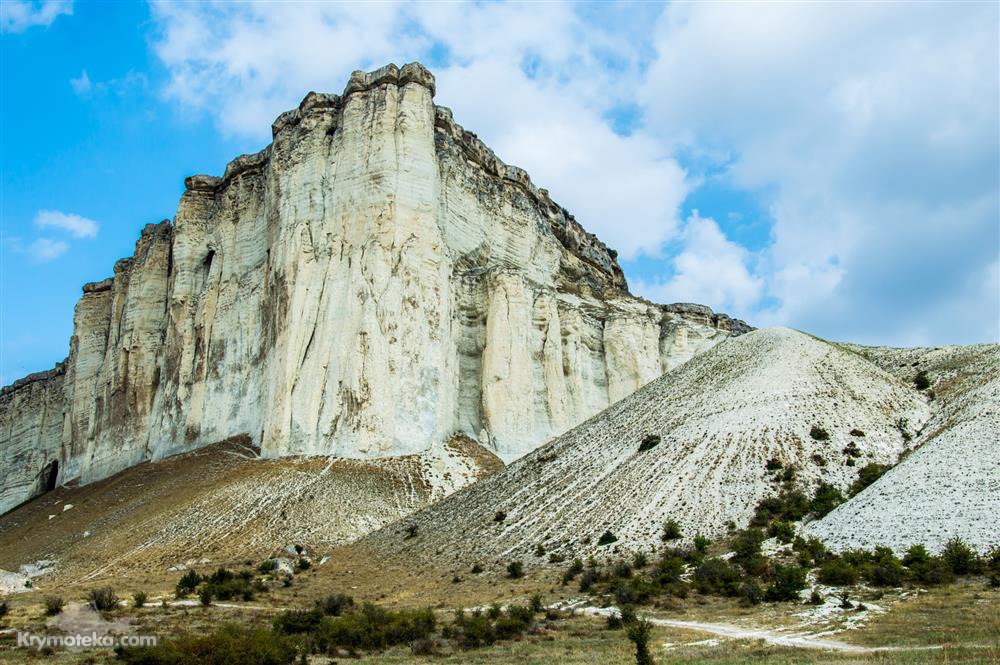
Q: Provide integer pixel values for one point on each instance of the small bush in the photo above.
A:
(103, 599)
(812, 552)
(574, 569)
(494, 611)
(411, 531)
(717, 576)
(671, 530)
(588, 579)
(932, 571)
(555, 557)
(649, 441)
(818, 433)
(818, 460)
(773, 464)
(499, 516)
(783, 531)
(303, 565)
(960, 558)
(826, 498)
(515, 570)
(751, 593)
(640, 560)
(476, 569)
(536, 604)
(622, 569)
(857, 433)
(921, 380)
(230, 645)
(606, 539)
(837, 572)
(623, 617)
(206, 596)
(54, 605)
(539, 550)
(746, 547)
(423, 647)
(917, 554)
(4, 609)
(335, 604)
(639, 633)
(815, 598)
(786, 583)
(139, 599)
(268, 566)
(867, 475)
(188, 583)
(297, 622)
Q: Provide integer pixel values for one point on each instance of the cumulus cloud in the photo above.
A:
(75, 225)
(534, 81)
(710, 269)
(868, 130)
(19, 15)
(871, 130)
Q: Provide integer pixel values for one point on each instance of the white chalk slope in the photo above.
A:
(950, 485)
(721, 416)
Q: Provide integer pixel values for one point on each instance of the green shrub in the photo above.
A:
(53, 605)
(773, 464)
(717, 576)
(917, 554)
(536, 604)
(471, 632)
(139, 598)
(932, 571)
(4, 609)
(701, 543)
(589, 578)
(669, 568)
(790, 506)
(622, 569)
(494, 611)
(574, 569)
(783, 531)
(818, 433)
(296, 622)
(867, 475)
(885, 570)
(640, 560)
(786, 583)
(857, 433)
(477, 568)
(746, 548)
(826, 498)
(188, 583)
(649, 441)
(515, 570)
(411, 531)
(539, 550)
(335, 604)
(671, 530)
(206, 596)
(623, 617)
(960, 558)
(812, 552)
(639, 633)
(751, 593)
(103, 599)
(837, 572)
(267, 566)
(230, 645)
(921, 380)
(606, 539)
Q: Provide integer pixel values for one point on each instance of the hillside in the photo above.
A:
(223, 504)
(950, 484)
(720, 418)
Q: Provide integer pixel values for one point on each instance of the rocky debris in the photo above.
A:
(949, 485)
(720, 417)
(371, 283)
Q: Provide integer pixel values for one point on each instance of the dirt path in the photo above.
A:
(799, 640)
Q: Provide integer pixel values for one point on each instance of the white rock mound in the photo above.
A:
(720, 418)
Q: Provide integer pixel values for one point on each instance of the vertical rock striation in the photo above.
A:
(373, 282)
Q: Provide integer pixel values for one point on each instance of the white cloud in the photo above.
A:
(46, 249)
(531, 80)
(868, 129)
(873, 130)
(82, 85)
(75, 225)
(710, 270)
(19, 15)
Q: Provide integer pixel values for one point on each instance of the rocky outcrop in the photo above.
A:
(373, 282)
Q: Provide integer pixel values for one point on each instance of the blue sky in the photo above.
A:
(829, 167)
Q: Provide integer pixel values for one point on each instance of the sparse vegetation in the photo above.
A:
(818, 433)
(230, 645)
(606, 539)
(671, 530)
(103, 599)
(54, 605)
(649, 441)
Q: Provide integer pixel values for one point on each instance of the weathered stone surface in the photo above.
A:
(371, 283)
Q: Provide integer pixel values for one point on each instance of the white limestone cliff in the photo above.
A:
(371, 283)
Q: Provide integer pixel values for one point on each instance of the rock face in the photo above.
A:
(373, 282)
